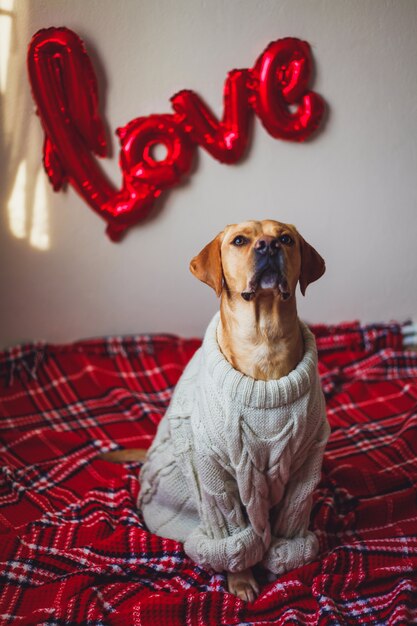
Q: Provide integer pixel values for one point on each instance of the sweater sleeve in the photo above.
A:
(224, 539)
(292, 544)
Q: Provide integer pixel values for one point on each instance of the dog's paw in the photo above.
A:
(243, 585)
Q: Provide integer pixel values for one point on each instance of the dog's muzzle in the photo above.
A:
(269, 270)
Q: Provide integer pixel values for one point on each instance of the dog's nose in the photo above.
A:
(267, 245)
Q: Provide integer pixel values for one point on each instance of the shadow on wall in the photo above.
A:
(23, 194)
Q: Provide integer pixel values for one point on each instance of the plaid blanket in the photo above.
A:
(74, 549)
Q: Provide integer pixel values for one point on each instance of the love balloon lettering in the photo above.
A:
(64, 87)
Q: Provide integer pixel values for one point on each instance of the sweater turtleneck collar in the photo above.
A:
(259, 393)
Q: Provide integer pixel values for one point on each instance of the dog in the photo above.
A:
(236, 458)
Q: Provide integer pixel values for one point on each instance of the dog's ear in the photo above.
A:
(207, 266)
(312, 265)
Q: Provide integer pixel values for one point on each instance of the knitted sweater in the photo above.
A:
(234, 463)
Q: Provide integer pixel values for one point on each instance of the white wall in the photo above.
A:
(351, 191)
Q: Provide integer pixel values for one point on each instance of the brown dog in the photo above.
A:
(255, 267)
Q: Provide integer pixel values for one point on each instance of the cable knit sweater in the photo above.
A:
(234, 463)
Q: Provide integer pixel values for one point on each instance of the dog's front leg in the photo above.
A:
(243, 585)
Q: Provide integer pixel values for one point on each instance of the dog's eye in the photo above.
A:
(286, 240)
(239, 241)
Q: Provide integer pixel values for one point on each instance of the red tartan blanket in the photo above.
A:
(74, 549)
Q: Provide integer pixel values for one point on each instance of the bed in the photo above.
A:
(74, 549)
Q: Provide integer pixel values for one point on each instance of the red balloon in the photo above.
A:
(64, 88)
(227, 140)
(139, 138)
(280, 78)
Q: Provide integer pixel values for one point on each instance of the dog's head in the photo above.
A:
(258, 258)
